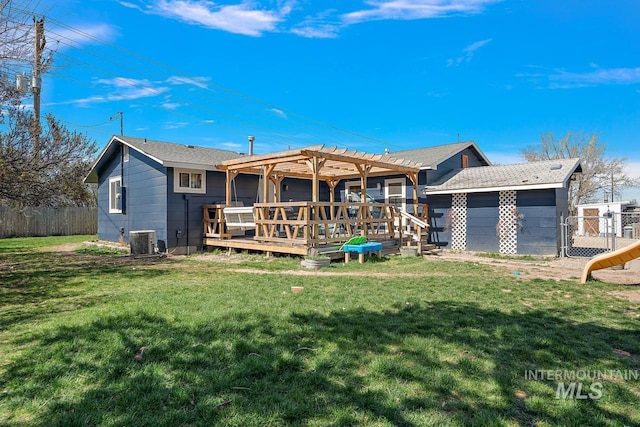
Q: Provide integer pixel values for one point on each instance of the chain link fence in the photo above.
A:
(588, 236)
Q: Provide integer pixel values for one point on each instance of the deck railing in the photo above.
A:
(309, 223)
(414, 229)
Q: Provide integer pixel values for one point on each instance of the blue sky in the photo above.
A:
(365, 74)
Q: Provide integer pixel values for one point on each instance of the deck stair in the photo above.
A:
(413, 230)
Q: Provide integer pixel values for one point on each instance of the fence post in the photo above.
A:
(613, 232)
(563, 237)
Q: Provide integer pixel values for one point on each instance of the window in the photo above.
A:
(465, 161)
(115, 195)
(125, 153)
(189, 181)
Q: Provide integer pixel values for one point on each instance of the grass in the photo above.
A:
(98, 250)
(401, 341)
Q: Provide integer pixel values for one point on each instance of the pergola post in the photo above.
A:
(230, 176)
(413, 176)
(332, 184)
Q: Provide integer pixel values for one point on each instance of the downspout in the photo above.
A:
(186, 215)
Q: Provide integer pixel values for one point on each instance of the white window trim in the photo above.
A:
(349, 186)
(115, 210)
(176, 181)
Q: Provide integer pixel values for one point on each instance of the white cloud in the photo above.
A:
(121, 89)
(81, 35)
(633, 169)
(325, 31)
(241, 18)
(278, 112)
(175, 125)
(200, 82)
(468, 52)
(613, 76)
(256, 17)
(415, 9)
(562, 79)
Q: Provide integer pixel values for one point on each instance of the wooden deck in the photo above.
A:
(303, 228)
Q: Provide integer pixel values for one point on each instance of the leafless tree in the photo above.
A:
(599, 172)
(53, 177)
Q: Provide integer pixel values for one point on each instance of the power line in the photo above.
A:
(223, 104)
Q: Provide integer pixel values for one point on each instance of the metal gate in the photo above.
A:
(588, 236)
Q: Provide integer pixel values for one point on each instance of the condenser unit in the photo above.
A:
(142, 242)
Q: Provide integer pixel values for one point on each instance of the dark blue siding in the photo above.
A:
(482, 218)
(108, 224)
(145, 202)
(538, 231)
(453, 163)
(184, 210)
(145, 180)
(439, 228)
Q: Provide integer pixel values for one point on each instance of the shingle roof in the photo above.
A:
(166, 153)
(534, 175)
(432, 156)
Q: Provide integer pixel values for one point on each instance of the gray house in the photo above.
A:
(438, 161)
(159, 186)
(511, 209)
(146, 185)
(151, 185)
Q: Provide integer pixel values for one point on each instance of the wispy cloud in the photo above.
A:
(278, 112)
(468, 53)
(128, 89)
(257, 17)
(562, 79)
(175, 125)
(243, 18)
(81, 35)
(613, 76)
(120, 89)
(200, 82)
(415, 9)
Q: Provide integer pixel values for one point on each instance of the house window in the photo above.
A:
(115, 195)
(125, 153)
(189, 181)
(465, 161)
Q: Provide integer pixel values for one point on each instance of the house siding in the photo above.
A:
(482, 219)
(145, 200)
(439, 227)
(146, 195)
(184, 210)
(539, 228)
(109, 224)
(453, 163)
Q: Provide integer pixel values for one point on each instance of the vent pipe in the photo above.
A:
(251, 139)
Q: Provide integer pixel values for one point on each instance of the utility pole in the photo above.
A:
(38, 48)
(121, 114)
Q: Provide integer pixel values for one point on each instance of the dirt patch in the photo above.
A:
(631, 295)
(542, 268)
(549, 268)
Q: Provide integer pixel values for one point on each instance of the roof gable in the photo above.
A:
(165, 153)
(534, 175)
(431, 157)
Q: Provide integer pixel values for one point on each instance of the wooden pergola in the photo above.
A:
(318, 163)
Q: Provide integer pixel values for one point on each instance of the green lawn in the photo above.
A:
(397, 342)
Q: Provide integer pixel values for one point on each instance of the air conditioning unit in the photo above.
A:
(142, 242)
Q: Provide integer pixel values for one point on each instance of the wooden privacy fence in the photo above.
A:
(28, 222)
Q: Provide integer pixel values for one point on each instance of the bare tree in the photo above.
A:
(16, 49)
(17, 44)
(51, 177)
(599, 173)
